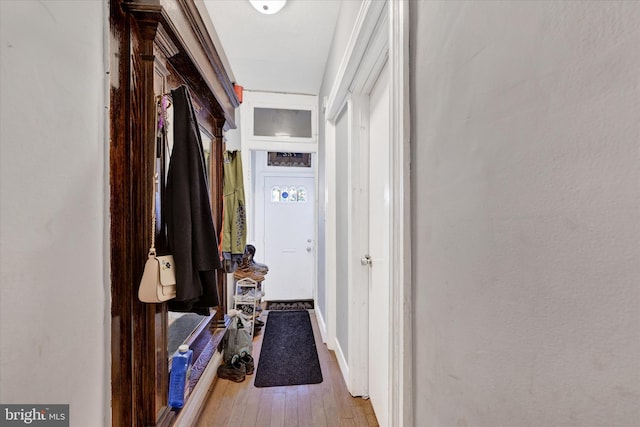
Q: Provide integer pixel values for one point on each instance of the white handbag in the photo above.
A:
(158, 283)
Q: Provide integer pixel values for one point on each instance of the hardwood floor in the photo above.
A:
(325, 404)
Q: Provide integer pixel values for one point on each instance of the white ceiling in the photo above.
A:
(285, 52)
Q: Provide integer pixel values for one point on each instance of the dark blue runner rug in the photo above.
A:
(288, 355)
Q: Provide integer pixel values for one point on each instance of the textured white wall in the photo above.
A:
(54, 301)
(526, 213)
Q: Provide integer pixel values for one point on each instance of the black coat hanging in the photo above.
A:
(191, 234)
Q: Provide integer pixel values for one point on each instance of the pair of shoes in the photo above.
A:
(249, 295)
(235, 370)
(247, 360)
(248, 267)
(244, 273)
(258, 322)
(246, 310)
(249, 263)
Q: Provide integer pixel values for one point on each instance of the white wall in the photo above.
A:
(54, 303)
(233, 137)
(344, 27)
(526, 213)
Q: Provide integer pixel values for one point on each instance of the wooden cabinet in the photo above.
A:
(155, 46)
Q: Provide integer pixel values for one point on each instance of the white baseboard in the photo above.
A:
(342, 363)
(322, 326)
(189, 414)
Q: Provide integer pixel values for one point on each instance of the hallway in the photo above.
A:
(325, 404)
(514, 280)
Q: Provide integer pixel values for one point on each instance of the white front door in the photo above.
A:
(379, 244)
(289, 234)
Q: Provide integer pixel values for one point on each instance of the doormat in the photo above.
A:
(288, 355)
(290, 305)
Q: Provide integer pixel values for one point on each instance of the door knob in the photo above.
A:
(365, 260)
(308, 249)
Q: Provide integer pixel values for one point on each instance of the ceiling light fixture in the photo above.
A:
(268, 7)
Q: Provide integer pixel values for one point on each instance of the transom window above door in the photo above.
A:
(280, 122)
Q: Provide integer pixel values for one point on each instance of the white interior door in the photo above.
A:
(289, 247)
(379, 244)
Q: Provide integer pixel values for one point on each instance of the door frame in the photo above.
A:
(250, 143)
(247, 149)
(380, 34)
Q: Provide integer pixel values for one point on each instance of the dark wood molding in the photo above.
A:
(121, 228)
(150, 55)
(195, 42)
(217, 202)
(147, 16)
(165, 43)
(213, 340)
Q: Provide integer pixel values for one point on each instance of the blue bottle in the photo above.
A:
(180, 376)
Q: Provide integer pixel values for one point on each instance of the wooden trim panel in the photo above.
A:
(155, 47)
